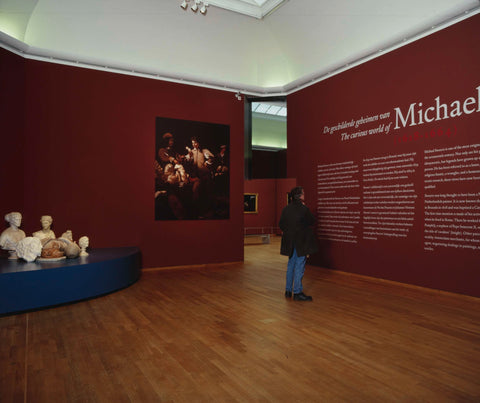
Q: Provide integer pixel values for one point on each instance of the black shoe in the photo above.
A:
(288, 294)
(302, 297)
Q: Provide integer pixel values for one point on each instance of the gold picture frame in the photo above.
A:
(250, 203)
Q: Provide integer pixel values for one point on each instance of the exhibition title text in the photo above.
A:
(416, 114)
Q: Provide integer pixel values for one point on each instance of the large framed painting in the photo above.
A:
(192, 170)
(250, 203)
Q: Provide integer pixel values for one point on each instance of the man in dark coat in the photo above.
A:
(298, 241)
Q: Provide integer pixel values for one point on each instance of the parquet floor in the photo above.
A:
(225, 333)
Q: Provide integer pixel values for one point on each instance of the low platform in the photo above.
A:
(27, 286)
(264, 237)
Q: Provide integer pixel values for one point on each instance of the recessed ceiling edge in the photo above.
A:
(20, 48)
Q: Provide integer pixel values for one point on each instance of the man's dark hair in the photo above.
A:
(295, 193)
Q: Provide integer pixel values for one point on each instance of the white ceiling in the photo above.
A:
(299, 42)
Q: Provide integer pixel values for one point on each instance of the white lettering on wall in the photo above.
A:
(417, 115)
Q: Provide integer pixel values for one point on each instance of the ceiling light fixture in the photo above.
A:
(195, 6)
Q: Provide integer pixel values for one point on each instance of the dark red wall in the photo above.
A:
(283, 188)
(445, 64)
(266, 190)
(12, 98)
(269, 164)
(272, 198)
(79, 144)
(87, 158)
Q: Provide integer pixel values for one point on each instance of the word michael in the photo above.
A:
(417, 115)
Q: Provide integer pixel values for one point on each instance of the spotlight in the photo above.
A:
(197, 5)
(238, 96)
(194, 8)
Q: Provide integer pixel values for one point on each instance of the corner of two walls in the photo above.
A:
(81, 148)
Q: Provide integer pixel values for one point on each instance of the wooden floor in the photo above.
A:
(225, 333)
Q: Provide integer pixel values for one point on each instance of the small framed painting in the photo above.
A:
(250, 203)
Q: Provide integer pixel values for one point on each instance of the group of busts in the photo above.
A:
(43, 244)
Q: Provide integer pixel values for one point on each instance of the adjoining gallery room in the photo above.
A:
(239, 201)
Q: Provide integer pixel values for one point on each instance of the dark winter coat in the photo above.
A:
(296, 223)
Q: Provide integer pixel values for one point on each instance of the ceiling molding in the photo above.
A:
(20, 48)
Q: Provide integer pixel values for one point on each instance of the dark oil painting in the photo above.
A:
(192, 170)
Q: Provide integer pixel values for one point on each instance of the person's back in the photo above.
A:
(298, 241)
(295, 222)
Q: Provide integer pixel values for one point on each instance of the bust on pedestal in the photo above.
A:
(45, 233)
(12, 235)
(83, 243)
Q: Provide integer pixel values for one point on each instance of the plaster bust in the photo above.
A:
(45, 233)
(83, 242)
(70, 248)
(63, 247)
(10, 237)
(68, 234)
(29, 248)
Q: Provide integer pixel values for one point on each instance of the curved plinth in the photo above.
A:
(26, 286)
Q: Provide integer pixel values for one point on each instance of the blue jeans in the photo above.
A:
(295, 270)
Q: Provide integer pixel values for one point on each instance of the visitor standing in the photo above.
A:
(298, 242)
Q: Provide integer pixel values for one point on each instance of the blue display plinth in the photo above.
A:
(26, 286)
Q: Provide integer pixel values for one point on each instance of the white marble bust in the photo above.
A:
(12, 235)
(45, 233)
(83, 242)
(29, 248)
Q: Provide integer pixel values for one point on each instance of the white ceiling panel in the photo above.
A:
(292, 44)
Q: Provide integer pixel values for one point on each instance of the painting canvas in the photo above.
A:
(250, 203)
(192, 170)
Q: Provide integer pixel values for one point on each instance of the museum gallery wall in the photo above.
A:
(80, 145)
(271, 199)
(389, 154)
